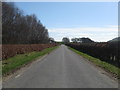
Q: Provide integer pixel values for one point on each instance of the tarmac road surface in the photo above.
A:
(62, 68)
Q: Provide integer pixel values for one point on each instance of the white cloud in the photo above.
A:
(95, 33)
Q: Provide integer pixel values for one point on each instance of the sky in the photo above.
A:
(96, 20)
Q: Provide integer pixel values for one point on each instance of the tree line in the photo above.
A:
(77, 40)
(18, 28)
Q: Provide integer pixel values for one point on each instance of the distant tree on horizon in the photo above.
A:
(51, 40)
(65, 40)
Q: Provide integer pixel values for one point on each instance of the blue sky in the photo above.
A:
(97, 20)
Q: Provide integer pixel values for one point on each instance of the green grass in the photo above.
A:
(111, 68)
(18, 61)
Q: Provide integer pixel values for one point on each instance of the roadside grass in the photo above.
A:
(14, 63)
(108, 67)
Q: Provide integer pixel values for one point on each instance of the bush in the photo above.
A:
(107, 51)
(12, 50)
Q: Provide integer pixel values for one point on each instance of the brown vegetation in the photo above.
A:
(12, 50)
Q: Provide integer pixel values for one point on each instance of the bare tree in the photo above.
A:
(20, 29)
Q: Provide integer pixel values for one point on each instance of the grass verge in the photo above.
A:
(108, 67)
(14, 63)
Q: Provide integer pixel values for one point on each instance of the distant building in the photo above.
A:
(85, 40)
(81, 40)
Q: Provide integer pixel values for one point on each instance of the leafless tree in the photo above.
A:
(20, 29)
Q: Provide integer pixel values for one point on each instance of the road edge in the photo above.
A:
(107, 72)
(26, 66)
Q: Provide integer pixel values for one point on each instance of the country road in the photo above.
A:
(62, 68)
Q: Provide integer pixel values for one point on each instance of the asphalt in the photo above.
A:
(62, 68)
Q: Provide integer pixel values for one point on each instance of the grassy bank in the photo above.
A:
(111, 68)
(18, 61)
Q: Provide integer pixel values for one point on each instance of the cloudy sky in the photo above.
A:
(96, 20)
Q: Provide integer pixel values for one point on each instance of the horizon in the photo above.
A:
(95, 20)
